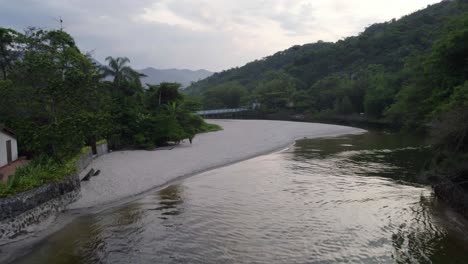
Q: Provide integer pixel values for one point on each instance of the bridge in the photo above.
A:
(224, 113)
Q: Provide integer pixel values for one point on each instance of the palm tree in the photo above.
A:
(118, 68)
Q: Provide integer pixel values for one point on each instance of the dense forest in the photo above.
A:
(401, 72)
(57, 101)
(409, 73)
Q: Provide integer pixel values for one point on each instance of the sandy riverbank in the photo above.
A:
(127, 173)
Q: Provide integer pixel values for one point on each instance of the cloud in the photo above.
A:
(160, 13)
(196, 34)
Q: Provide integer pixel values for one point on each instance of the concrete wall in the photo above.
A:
(87, 158)
(3, 149)
(102, 149)
(84, 160)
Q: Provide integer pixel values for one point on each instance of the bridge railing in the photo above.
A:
(220, 111)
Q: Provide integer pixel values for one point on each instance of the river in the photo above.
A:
(353, 199)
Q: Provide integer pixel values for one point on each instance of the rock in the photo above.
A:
(88, 175)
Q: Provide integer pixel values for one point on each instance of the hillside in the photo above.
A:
(386, 44)
(184, 77)
(402, 71)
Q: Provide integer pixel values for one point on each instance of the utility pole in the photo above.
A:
(61, 24)
(60, 21)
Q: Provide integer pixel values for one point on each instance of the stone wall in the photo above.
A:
(20, 213)
(23, 213)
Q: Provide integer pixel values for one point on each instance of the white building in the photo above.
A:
(8, 146)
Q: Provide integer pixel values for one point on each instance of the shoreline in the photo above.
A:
(126, 174)
(119, 202)
(17, 249)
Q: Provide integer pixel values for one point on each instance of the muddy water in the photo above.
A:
(351, 199)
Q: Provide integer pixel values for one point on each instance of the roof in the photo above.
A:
(6, 130)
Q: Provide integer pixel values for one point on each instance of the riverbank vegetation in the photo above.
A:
(409, 74)
(57, 100)
(40, 171)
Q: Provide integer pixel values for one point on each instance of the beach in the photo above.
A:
(128, 173)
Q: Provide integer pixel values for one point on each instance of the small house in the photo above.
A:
(8, 146)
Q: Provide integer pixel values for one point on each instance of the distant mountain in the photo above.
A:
(182, 76)
(157, 76)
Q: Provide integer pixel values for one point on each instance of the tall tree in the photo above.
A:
(53, 86)
(124, 76)
(8, 39)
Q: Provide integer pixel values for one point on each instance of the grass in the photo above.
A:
(207, 127)
(102, 141)
(40, 171)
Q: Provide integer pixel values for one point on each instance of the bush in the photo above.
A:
(102, 141)
(206, 127)
(149, 146)
(38, 172)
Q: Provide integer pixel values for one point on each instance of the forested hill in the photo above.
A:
(421, 57)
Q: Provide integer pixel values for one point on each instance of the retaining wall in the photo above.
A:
(20, 214)
(88, 157)
(102, 149)
(24, 212)
(84, 160)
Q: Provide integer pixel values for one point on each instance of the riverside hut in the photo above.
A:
(8, 146)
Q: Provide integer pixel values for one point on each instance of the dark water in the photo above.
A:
(347, 200)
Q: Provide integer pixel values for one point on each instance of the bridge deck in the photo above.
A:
(220, 111)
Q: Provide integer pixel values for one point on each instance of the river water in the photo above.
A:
(353, 199)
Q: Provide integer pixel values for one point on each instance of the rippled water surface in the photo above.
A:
(350, 199)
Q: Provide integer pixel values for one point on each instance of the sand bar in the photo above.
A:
(128, 173)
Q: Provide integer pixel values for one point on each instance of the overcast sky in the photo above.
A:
(195, 34)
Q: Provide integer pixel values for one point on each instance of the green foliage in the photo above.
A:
(329, 91)
(192, 104)
(403, 71)
(54, 97)
(449, 132)
(38, 172)
(411, 73)
(8, 43)
(57, 100)
(83, 151)
(163, 94)
(277, 91)
(228, 95)
(102, 141)
(126, 80)
(343, 106)
(207, 127)
(52, 93)
(449, 136)
(157, 130)
(459, 97)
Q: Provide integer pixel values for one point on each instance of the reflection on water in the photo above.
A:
(351, 199)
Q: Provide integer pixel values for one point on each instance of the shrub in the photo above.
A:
(102, 141)
(207, 127)
(41, 171)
